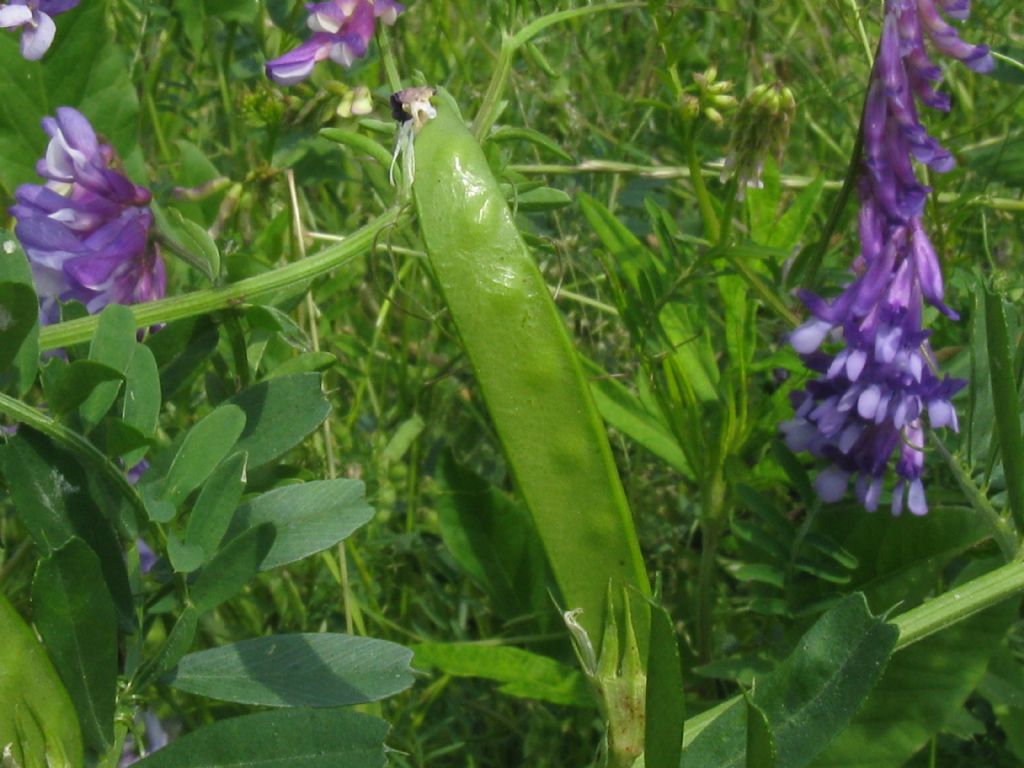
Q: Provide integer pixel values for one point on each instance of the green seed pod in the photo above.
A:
(528, 372)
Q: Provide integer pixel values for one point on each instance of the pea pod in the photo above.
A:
(527, 370)
(38, 724)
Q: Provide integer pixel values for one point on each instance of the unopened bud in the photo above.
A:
(760, 128)
(690, 106)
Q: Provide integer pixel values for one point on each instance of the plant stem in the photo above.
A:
(490, 107)
(960, 603)
(713, 170)
(806, 264)
(387, 56)
(1002, 529)
(74, 442)
(212, 299)
(713, 521)
(708, 217)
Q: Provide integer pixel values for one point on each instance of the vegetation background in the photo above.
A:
(592, 112)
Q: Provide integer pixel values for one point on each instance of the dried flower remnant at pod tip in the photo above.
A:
(34, 18)
(760, 128)
(412, 108)
(342, 30)
(873, 398)
(86, 230)
(413, 104)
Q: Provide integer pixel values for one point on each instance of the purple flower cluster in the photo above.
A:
(342, 30)
(85, 230)
(34, 19)
(871, 398)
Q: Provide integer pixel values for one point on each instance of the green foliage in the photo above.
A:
(361, 420)
(76, 618)
(307, 670)
(809, 699)
(303, 738)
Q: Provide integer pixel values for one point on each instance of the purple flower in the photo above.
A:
(342, 30)
(34, 18)
(85, 230)
(872, 397)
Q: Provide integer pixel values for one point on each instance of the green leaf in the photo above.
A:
(19, 315)
(1003, 686)
(789, 231)
(50, 491)
(279, 413)
(194, 169)
(37, 717)
(188, 240)
(84, 68)
(1002, 161)
(142, 392)
(181, 349)
(523, 674)
(113, 345)
(70, 385)
(232, 568)
(509, 133)
(493, 538)
(289, 738)
(203, 448)
(300, 670)
(763, 203)
(306, 518)
(304, 363)
(812, 695)
(77, 620)
(623, 411)
(184, 557)
(1006, 403)
(1007, 72)
(18, 367)
(540, 199)
(213, 510)
(761, 751)
(367, 145)
(923, 687)
(666, 702)
(178, 641)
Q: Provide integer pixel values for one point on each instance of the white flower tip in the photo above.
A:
(808, 337)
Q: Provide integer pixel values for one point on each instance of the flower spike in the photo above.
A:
(873, 397)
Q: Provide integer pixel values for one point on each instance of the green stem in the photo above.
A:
(713, 522)
(940, 613)
(1002, 529)
(387, 56)
(213, 299)
(790, 181)
(74, 442)
(510, 44)
(712, 227)
(725, 224)
(537, 26)
(960, 603)
(806, 264)
(491, 105)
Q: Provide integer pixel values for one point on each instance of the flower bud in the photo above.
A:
(760, 128)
